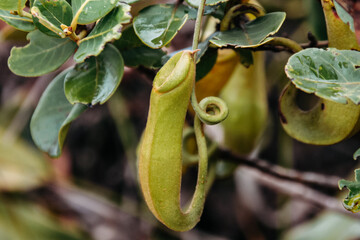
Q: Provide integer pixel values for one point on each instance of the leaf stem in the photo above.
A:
(286, 42)
(211, 110)
(21, 12)
(198, 25)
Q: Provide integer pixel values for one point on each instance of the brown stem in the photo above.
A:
(310, 178)
(298, 191)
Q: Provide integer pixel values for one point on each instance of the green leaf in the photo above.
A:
(21, 23)
(330, 74)
(108, 29)
(158, 24)
(344, 16)
(21, 167)
(95, 80)
(356, 154)
(253, 34)
(49, 15)
(42, 55)
(351, 202)
(195, 3)
(11, 5)
(130, 1)
(52, 117)
(89, 11)
(135, 53)
(206, 63)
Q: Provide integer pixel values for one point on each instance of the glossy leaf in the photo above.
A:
(52, 117)
(49, 15)
(11, 5)
(20, 23)
(42, 55)
(22, 168)
(95, 80)
(206, 63)
(88, 11)
(330, 74)
(108, 29)
(157, 25)
(254, 33)
(351, 202)
(195, 3)
(135, 53)
(130, 1)
(356, 154)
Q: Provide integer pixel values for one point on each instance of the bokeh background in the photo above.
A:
(91, 191)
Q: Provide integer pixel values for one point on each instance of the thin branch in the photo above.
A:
(309, 178)
(299, 191)
(287, 43)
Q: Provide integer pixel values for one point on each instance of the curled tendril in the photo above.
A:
(211, 110)
(240, 9)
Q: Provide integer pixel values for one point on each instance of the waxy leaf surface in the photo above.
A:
(331, 74)
(195, 3)
(42, 55)
(49, 15)
(254, 33)
(20, 23)
(95, 80)
(52, 117)
(135, 53)
(91, 10)
(108, 29)
(157, 25)
(351, 202)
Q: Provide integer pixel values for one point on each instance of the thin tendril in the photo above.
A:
(217, 107)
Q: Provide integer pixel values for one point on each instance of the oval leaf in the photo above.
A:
(108, 29)
(254, 33)
(42, 55)
(195, 3)
(157, 25)
(49, 15)
(331, 74)
(52, 117)
(21, 23)
(351, 202)
(11, 5)
(356, 154)
(88, 11)
(135, 53)
(95, 80)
